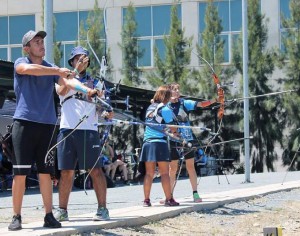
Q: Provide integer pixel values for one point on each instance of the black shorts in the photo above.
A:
(82, 146)
(31, 142)
(175, 153)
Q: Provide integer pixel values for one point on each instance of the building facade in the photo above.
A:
(152, 16)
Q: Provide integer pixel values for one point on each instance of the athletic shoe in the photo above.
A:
(16, 223)
(147, 203)
(61, 215)
(51, 222)
(126, 182)
(197, 198)
(171, 202)
(102, 214)
(162, 202)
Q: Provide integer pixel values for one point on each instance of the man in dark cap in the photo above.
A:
(34, 120)
(83, 146)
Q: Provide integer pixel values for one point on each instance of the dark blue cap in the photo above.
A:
(77, 51)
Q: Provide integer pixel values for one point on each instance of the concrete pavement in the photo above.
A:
(125, 203)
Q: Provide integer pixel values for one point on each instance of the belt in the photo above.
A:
(72, 96)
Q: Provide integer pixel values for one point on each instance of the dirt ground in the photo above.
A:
(241, 218)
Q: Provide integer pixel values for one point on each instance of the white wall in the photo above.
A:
(114, 19)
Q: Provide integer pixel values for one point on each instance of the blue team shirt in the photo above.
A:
(180, 111)
(156, 133)
(34, 95)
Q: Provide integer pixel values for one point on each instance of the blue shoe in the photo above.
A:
(102, 214)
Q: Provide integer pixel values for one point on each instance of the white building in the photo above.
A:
(153, 18)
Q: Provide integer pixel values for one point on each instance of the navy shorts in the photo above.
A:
(82, 147)
(175, 153)
(155, 152)
(31, 143)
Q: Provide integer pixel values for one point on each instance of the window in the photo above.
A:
(225, 39)
(16, 52)
(18, 26)
(4, 30)
(236, 16)
(83, 15)
(66, 50)
(285, 12)
(224, 14)
(162, 19)
(67, 31)
(153, 23)
(159, 43)
(284, 8)
(13, 29)
(230, 13)
(145, 47)
(66, 26)
(3, 54)
(143, 19)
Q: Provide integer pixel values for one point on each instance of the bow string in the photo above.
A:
(97, 100)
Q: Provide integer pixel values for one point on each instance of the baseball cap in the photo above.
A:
(30, 35)
(78, 51)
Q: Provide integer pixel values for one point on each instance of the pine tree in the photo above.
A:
(130, 50)
(127, 136)
(291, 42)
(265, 116)
(174, 67)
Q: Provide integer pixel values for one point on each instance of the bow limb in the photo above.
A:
(220, 91)
(103, 63)
(221, 96)
(90, 46)
(221, 99)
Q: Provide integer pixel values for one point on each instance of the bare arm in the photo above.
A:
(206, 103)
(39, 70)
(62, 89)
(66, 84)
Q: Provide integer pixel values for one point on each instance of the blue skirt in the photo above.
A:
(155, 152)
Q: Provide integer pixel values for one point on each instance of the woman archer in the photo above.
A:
(180, 109)
(155, 147)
